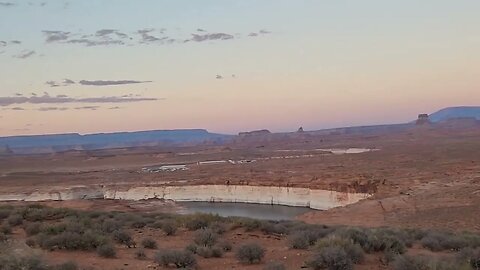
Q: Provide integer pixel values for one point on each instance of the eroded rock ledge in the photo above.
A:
(289, 196)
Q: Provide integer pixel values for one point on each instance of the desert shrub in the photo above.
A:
(357, 235)
(331, 258)
(197, 222)
(140, 254)
(71, 241)
(469, 256)
(30, 242)
(124, 238)
(15, 220)
(274, 266)
(66, 266)
(353, 251)
(106, 251)
(138, 223)
(437, 241)
(206, 238)
(383, 240)
(54, 229)
(251, 224)
(149, 243)
(217, 227)
(5, 228)
(403, 262)
(4, 213)
(110, 225)
(224, 245)
(177, 258)
(192, 248)
(13, 262)
(269, 227)
(3, 237)
(209, 252)
(169, 227)
(299, 240)
(33, 228)
(250, 253)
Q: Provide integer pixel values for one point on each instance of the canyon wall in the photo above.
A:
(313, 198)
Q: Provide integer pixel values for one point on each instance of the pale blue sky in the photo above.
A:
(313, 63)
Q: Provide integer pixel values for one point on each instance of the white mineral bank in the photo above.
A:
(313, 198)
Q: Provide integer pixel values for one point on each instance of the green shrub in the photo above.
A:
(469, 256)
(275, 266)
(149, 243)
(71, 241)
(331, 258)
(3, 237)
(250, 253)
(30, 242)
(110, 225)
(206, 238)
(138, 223)
(140, 254)
(177, 258)
(192, 248)
(217, 227)
(106, 251)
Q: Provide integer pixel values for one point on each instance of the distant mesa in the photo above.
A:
(261, 132)
(300, 130)
(423, 119)
(463, 112)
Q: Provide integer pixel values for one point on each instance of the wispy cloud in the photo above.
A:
(212, 36)
(107, 83)
(24, 54)
(55, 36)
(62, 99)
(7, 4)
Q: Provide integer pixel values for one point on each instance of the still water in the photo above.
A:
(251, 210)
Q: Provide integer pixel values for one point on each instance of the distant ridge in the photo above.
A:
(73, 141)
(455, 113)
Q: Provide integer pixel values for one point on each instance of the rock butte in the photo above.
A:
(289, 196)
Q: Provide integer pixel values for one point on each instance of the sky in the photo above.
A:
(94, 66)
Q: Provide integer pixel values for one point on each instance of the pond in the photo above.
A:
(251, 210)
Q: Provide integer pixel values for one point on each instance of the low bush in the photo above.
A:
(192, 248)
(331, 258)
(30, 242)
(5, 228)
(206, 238)
(124, 238)
(33, 228)
(250, 253)
(110, 225)
(469, 256)
(140, 254)
(224, 245)
(66, 266)
(438, 241)
(4, 213)
(13, 262)
(274, 266)
(3, 237)
(353, 251)
(209, 252)
(71, 241)
(299, 240)
(106, 251)
(269, 227)
(149, 243)
(403, 262)
(217, 227)
(176, 258)
(169, 227)
(15, 220)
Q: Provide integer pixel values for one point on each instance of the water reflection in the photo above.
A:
(251, 210)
